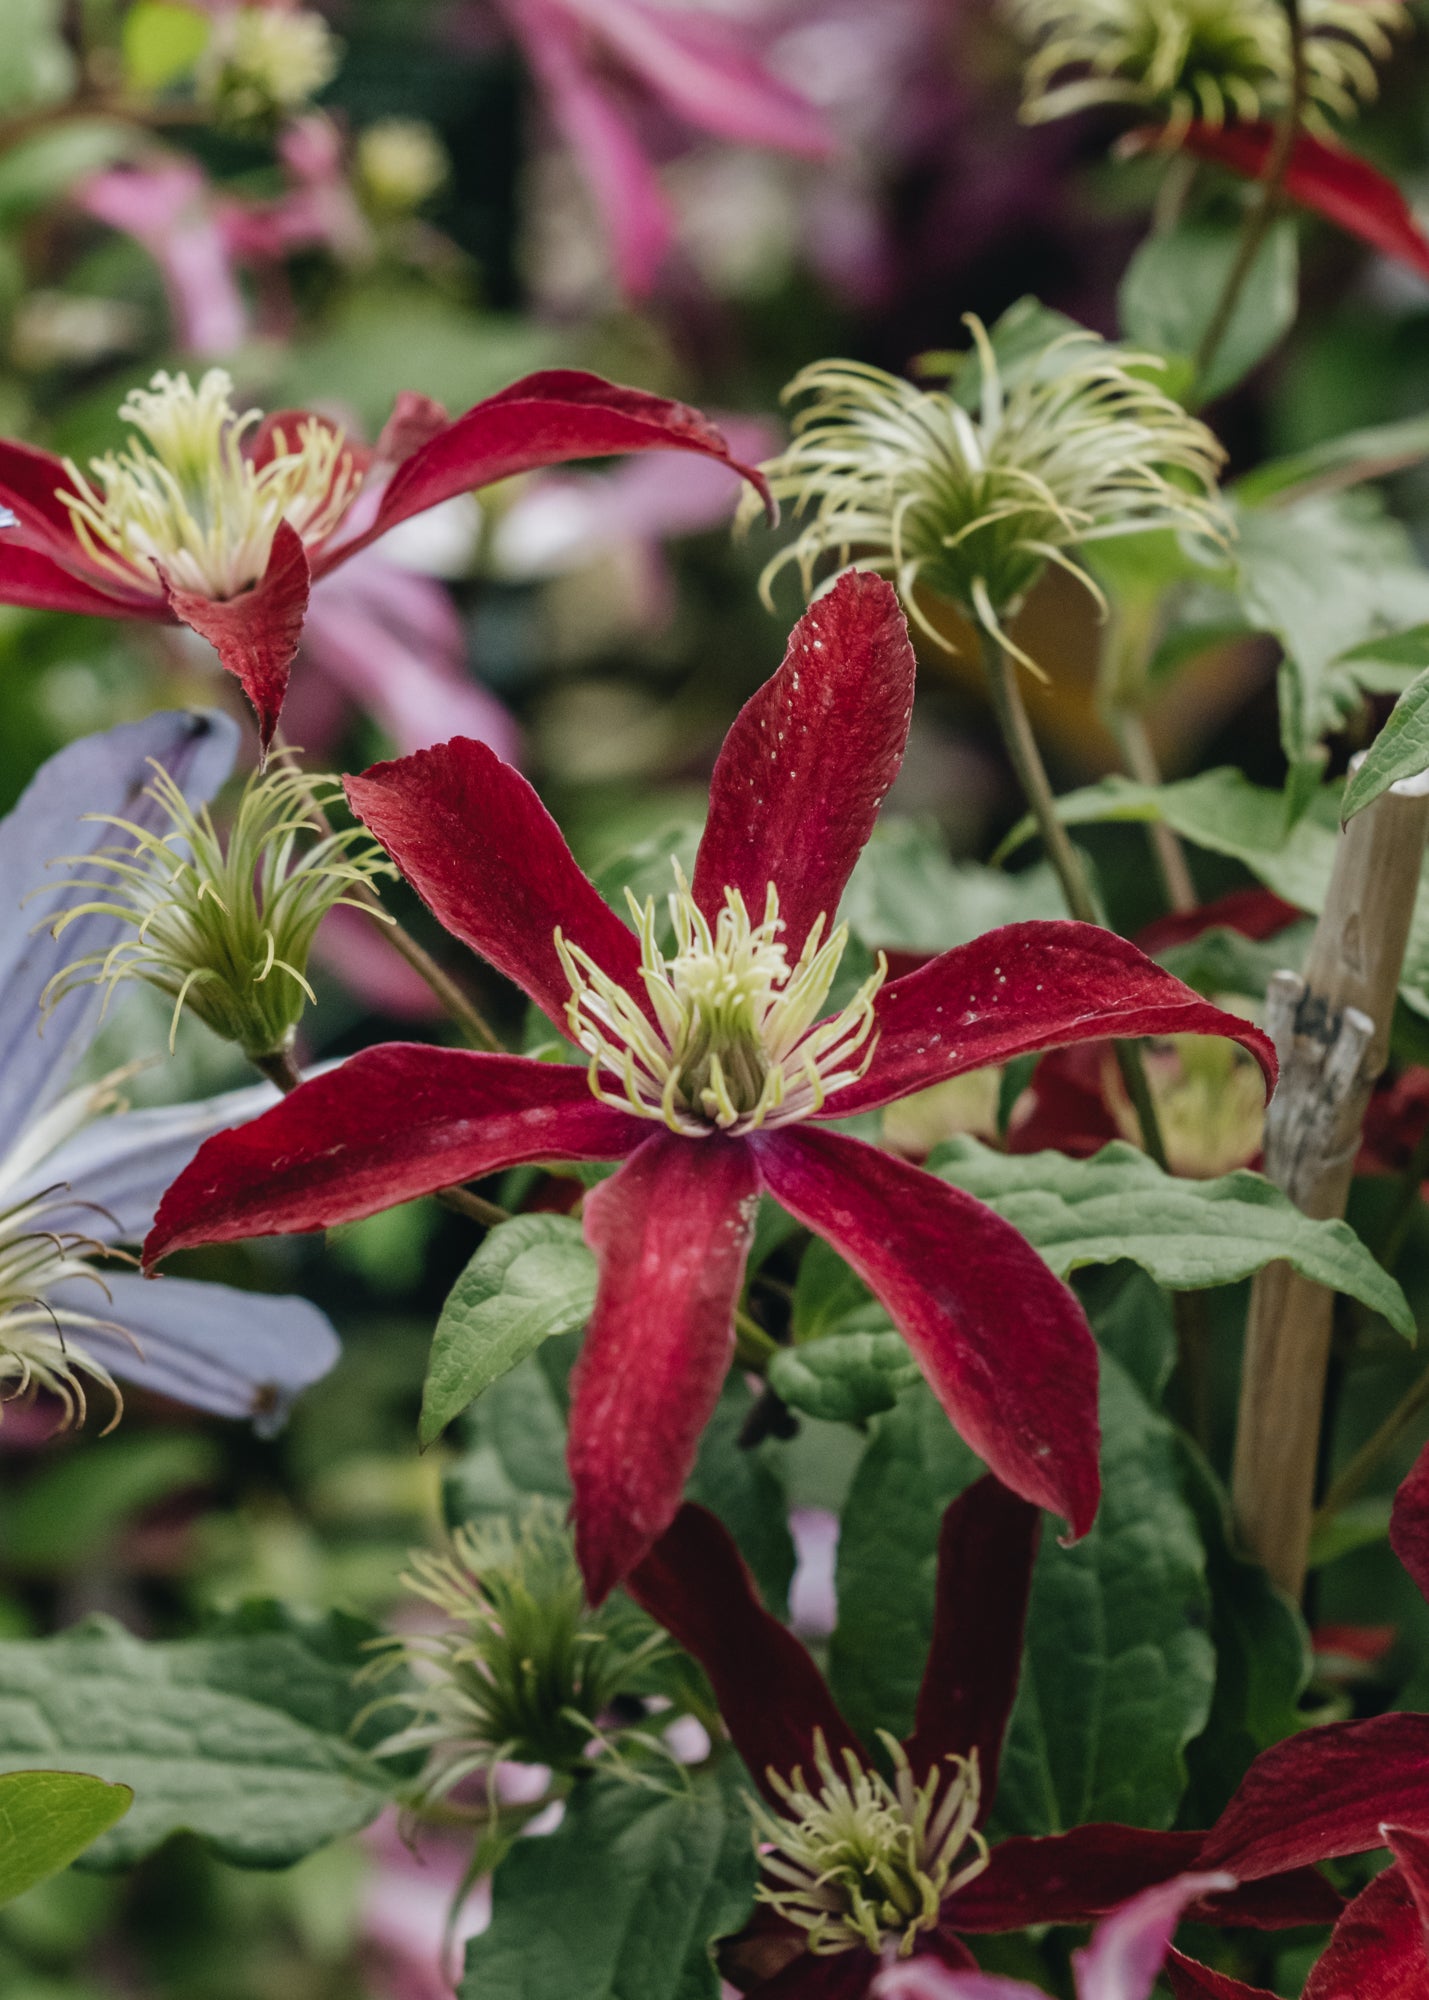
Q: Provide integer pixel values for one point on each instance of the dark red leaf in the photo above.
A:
(1004, 1345)
(1325, 177)
(480, 849)
(771, 1695)
(256, 634)
(986, 1551)
(809, 760)
(671, 1231)
(1026, 987)
(391, 1123)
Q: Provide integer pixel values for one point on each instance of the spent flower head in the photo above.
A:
(400, 163)
(524, 1671)
(855, 1859)
(1072, 445)
(220, 925)
(186, 504)
(51, 1296)
(264, 62)
(1200, 60)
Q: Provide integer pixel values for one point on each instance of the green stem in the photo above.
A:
(1140, 760)
(1027, 762)
(1375, 1448)
(1263, 212)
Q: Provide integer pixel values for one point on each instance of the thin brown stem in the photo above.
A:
(1170, 855)
(1026, 760)
(1264, 209)
(1373, 1451)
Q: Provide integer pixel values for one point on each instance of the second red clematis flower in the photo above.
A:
(222, 520)
(713, 1078)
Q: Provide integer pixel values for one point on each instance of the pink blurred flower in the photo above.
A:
(168, 206)
(407, 1906)
(601, 63)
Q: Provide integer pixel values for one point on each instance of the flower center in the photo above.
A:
(188, 505)
(732, 1040)
(37, 1345)
(862, 1861)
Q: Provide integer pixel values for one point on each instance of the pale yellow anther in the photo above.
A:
(183, 502)
(736, 1042)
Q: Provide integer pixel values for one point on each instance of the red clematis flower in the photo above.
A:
(712, 1077)
(222, 521)
(932, 1878)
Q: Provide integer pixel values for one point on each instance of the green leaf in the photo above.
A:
(624, 1900)
(162, 41)
(1339, 462)
(47, 1818)
(746, 1489)
(531, 1278)
(1325, 575)
(1221, 961)
(906, 895)
(846, 1377)
(1175, 281)
(514, 1440)
(241, 1738)
(1119, 1668)
(1401, 749)
(887, 1561)
(1187, 1234)
(1263, 1655)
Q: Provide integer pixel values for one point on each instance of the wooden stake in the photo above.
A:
(1331, 1032)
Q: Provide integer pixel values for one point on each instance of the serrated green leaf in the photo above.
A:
(845, 1377)
(1177, 277)
(531, 1278)
(1186, 1233)
(906, 895)
(1401, 749)
(48, 1819)
(1119, 1668)
(624, 1900)
(1325, 575)
(1221, 961)
(241, 1738)
(513, 1440)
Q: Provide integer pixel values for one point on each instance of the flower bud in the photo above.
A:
(400, 163)
(525, 1671)
(223, 926)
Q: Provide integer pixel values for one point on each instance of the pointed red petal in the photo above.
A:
(387, 1125)
(1409, 1522)
(1324, 177)
(671, 1231)
(771, 1695)
(415, 421)
(256, 635)
(545, 419)
(41, 584)
(1323, 1793)
(1190, 1981)
(1412, 1852)
(1004, 1345)
(985, 1556)
(1022, 988)
(1378, 1950)
(847, 1975)
(480, 849)
(806, 766)
(1068, 1878)
(30, 480)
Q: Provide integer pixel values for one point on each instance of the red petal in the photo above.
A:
(415, 421)
(1253, 913)
(30, 480)
(1190, 1981)
(1324, 1793)
(41, 584)
(846, 1975)
(544, 419)
(1378, 1950)
(256, 635)
(1004, 1344)
(806, 766)
(389, 1124)
(986, 1551)
(1324, 177)
(1026, 987)
(671, 1231)
(771, 1695)
(482, 852)
(1412, 1853)
(1409, 1522)
(1069, 1878)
